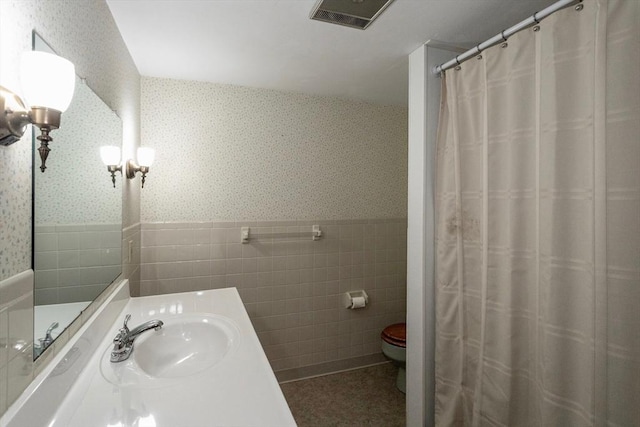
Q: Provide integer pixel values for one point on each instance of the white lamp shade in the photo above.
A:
(146, 156)
(110, 155)
(47, 80)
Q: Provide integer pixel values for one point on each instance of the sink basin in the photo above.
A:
(186, 345)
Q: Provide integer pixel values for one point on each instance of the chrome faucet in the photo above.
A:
(46, 341)
(123, 342)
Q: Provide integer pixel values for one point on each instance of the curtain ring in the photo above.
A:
(478, 51)
(504, 40)
(579, 7)
(458, 67)
(537, 27)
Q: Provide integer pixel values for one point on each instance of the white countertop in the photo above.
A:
(241, 390)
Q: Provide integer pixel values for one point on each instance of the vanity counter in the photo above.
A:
(240, 390)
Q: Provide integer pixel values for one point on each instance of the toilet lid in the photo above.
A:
(395, 334)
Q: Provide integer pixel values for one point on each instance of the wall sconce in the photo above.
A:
(110, 155)
(146, 156)
(48, 82)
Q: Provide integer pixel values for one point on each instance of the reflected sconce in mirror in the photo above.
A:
(111, 158)
(48, 82)
(110, 155)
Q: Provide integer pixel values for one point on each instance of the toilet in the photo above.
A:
(394, 346)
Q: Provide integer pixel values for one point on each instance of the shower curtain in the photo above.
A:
(538, 226)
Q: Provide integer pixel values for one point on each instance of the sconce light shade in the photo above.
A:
(47, 80)
(146, 156)
(110, 155)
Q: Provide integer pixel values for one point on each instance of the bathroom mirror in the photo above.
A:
(77, 214)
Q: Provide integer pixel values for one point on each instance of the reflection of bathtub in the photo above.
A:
(64, 314)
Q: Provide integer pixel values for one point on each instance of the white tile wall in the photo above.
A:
(75, 262)
(16, 323)
(291, 285)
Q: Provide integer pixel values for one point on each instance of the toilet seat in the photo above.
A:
(395, 334)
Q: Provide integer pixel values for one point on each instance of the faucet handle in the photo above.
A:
(121, 337)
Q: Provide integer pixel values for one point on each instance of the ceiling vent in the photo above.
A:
(350, 13)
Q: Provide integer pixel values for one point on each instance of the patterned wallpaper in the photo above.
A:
(85, 33)
(15, 208)
(231, 153)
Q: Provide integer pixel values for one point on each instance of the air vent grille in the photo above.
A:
(341, 19)
(351, 13)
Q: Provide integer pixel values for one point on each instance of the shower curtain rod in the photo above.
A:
(504, 35)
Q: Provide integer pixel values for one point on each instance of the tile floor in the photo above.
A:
(362, 397)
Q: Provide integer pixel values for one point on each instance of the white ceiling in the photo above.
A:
(273, 43)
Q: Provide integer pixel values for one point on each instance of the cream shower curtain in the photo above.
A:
(538, 227)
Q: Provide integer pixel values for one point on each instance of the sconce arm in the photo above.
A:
(132, 168)
(45, 118)
(14, 118)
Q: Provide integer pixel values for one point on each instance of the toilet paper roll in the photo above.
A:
(358, 302)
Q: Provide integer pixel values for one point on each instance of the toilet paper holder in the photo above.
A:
(355, 299)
